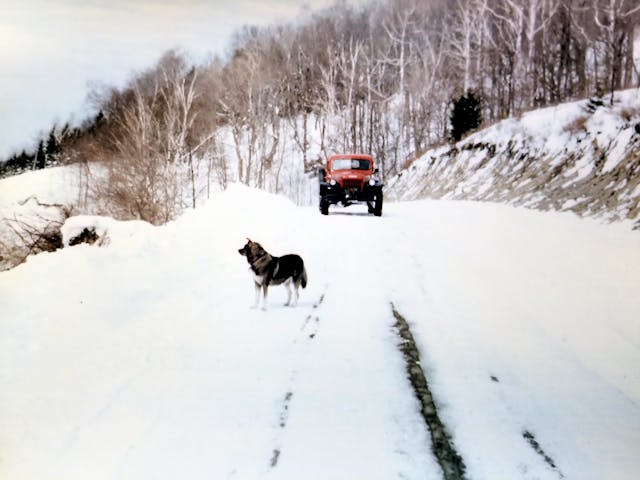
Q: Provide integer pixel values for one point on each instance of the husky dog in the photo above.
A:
(269, 270)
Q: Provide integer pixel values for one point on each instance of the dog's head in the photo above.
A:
(250, 249)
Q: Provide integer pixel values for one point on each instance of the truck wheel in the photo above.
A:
(377, 207)
(324, 207)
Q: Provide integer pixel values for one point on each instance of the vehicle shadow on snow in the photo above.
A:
(353, 214)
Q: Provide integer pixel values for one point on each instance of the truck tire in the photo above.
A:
(377, 207)
(324, 207)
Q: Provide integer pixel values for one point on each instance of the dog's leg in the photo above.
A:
(257, 290)
(295, 287)
(288, 285)
(264, 295)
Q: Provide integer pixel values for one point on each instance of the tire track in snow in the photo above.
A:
(449, 459)
(535, 445)
(309, 330)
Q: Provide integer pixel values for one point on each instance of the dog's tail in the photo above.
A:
(303, 278)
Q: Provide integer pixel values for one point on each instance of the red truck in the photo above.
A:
(349, 179)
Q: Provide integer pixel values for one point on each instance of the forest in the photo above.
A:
(382, 78)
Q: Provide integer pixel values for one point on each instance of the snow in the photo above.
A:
(142, 359)
(32, 199)
(552, 312)
(128, 235)
(53, 185)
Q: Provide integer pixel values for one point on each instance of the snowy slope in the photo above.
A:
(562, 158)
(142, 359)
(31, 199)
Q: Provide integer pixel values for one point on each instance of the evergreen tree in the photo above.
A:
(16, 164)
(40, 159)
(25, 160)
(6, 166)
(53, 148)
(466, 115)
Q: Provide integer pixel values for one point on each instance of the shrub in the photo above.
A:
(466, 115)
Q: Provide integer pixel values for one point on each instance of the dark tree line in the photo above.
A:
(47, 154)
(54, 149)
(382, 78)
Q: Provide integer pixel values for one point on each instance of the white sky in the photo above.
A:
(51, 51)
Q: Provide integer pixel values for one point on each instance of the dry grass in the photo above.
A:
(578, 125)
(630, 113)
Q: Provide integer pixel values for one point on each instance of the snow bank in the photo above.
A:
(131, 235)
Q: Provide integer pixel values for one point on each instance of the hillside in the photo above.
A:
(33, 207)
(561, 158)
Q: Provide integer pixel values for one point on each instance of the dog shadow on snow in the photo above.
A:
(277, 305)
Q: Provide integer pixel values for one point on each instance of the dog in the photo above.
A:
(269, 270)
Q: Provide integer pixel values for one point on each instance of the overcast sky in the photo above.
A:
(51, 51)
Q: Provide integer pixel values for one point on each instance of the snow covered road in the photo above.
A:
(143, 359)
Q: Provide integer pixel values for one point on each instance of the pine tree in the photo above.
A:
(53, 148)
(40, 159)
(25, 160)
(466, 115)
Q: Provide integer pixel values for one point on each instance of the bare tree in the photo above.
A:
(466, 36)
(616, 20)
(378, 78)
(249, 105)
(147, 143)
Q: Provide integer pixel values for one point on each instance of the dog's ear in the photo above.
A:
(249, 241)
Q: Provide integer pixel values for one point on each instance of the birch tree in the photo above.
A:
(616, 20)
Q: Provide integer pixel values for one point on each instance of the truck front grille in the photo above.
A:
(352, 183)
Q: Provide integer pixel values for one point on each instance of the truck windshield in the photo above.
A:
(350, 164)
